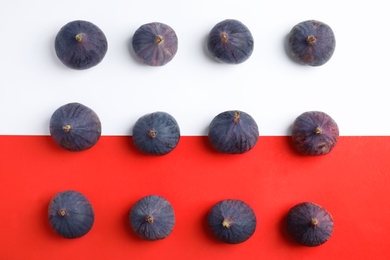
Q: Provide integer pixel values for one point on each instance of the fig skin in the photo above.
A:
(230, 41)
(75, 127)
(314, 133)
(233, 132)
(152, 218)
(309, 224)
(232, 221)
(71, 214)
(311, 42)
(156, 133)
(155, 44)
(80, 45)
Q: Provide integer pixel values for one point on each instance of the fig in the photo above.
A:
(230, 41)
(80, 45)
(309, 224)
(155, 44)
(314, 133)
(75, 127)
(232, 221)
(71, 214)
(152, 218)
(233, 132)
(156, 133)
(311, 42)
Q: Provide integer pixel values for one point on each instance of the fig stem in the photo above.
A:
(149, 219)
(152, 133)
(226, 224)
(314, 222)
(318, 131)
(158, 39)
(79, 37)
(224, 37)
(62, 212)
(67, 128)
(311, 39)
(236, 117)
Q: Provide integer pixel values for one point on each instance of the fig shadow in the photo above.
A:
(208, 146)
(206, 230)
(53, 55)
(127, 227)
(290, 144)
(287, 52)
(285, 236)
(45, 221)
(206, 51)
(134, 150)
(133, 56)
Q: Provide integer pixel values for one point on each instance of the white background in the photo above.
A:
(353, 87)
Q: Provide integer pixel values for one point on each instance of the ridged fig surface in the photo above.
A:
(71, 214)
(155, 44)
(75, 127)
(232, 221)
(230, 41)
(152, 218)
(233, 132)
(314, 133)
(80, 45)
(309, 224)
(156, 133)
(311, 42)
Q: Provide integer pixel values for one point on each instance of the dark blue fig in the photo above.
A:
(309, 224)
(75, 127)
(233, 132)
(230, 41)
(314, 133)
(155, 44)
(156, 133)
(311, 42)
(80, 45)
(232, 221)
(71, 214)
(152, 218)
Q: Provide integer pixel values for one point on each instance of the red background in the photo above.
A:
(352, 183)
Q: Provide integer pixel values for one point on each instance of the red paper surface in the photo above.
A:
(352, 183)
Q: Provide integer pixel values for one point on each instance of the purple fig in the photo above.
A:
(75, 127)
(156, 133)
(152, 218)
(230, 41)
(71, 214)
(311, 42)
(233, 132)
(232, 221)
(155, 44)
(314, 133)
(309, 224)
(80, 45)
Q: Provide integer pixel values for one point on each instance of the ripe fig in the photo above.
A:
(156, 133)
(230, 41)
(309, 224)
(155, 44)
(314, 133)
(311, 42)
(152, 218)
(71, 214)
(233, 132)
(75, 127)
(80, 45)
(232, 221)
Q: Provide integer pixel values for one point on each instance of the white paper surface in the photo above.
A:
(352, 87)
